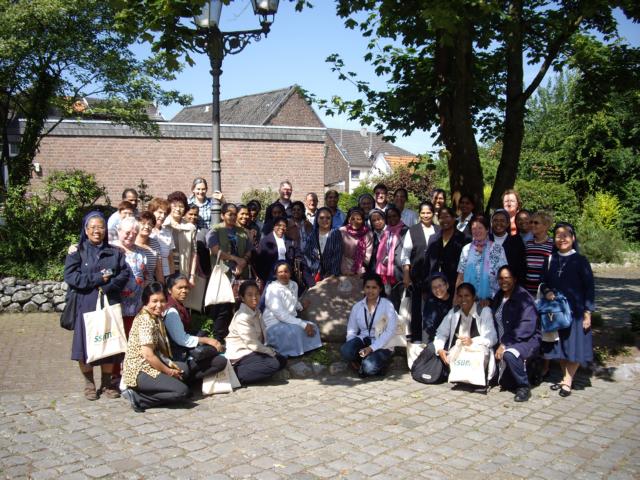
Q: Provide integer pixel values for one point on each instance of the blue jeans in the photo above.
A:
(375, 363)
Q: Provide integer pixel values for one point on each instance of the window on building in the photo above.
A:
(355, 174)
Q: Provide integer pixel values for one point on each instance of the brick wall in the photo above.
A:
(170, 164)
(296, 112)
(336, 168)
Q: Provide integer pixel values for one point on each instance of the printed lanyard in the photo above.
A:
(370, 324)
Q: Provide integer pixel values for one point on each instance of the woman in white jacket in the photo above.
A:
(466, 326)
(372, 324)
(289, 335)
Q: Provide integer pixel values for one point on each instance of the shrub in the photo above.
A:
(266, 196)
(555, 198)
(600, 245)
(601, 210)
(419, 182)
(349, 200)
(40, 226)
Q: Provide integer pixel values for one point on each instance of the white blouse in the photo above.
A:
(282, 305)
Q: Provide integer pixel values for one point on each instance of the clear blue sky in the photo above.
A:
(295, 53)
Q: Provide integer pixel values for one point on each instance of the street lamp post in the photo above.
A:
(216, 44)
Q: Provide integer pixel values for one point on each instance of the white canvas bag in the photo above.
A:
(219, 289)
(467, 364)
(104, 331)
(222, 382)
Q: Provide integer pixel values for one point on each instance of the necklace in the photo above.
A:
(562, 263)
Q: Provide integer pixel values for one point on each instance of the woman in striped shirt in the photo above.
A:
(537, 249)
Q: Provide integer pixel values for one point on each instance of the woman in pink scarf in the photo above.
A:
(357, 243)
(387, 257)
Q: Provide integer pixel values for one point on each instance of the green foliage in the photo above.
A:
(555, 198)
(143, 196)
(349, 200)
(54, 53)
(266, 196)
(601, 210)
(600, 245)
(200, 321)
(39, 227)
(419, 183)
(322, 356)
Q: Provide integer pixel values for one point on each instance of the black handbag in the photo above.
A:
(203, 352)
(68, 315)
(428, 367)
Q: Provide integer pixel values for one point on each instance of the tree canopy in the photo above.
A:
(457, 67)
(55, 52)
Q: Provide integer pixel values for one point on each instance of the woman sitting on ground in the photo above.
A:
(372, 324)
(436, 307)
(519, 337)
(252, 360)
(201, 353)
(464, 326)
(288, 334)
(151, 376)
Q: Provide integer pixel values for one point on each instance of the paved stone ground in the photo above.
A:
(332, 427)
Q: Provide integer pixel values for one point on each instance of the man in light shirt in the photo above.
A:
(311, 206)
(380, 192)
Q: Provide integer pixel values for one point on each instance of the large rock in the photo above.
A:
(9, 290)
(330, 302)
(37, 289)
(30, 307)
(300, 370)
(47, 307)
(39, 299)
(59, 299)
(21, 296)
(64, 286)
(60, 307)
(9, 281)
(626, 372)
(4, 301)
(13, 308)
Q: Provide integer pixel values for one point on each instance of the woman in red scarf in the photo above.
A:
(357, 243)
(201, 353)
(388, 264)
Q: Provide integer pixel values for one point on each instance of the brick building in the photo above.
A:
(265, 138)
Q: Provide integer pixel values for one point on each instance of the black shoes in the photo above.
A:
(522, 394)
(128, 394)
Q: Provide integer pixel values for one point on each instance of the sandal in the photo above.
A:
(556, 386)
(90, 392)
(110, 392)
(565, 390)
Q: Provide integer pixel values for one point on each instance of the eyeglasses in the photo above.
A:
(96, 229)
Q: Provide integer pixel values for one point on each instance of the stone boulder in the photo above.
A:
(21, 296)
(330, 302)
(13, 308)
(47, 307)
(39, 299)
(9, 281)
(30, 307)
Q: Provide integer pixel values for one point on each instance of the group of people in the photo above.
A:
(471, 281)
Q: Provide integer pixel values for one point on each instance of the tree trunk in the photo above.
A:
(454, 63)
(514, 110)
(39, 99)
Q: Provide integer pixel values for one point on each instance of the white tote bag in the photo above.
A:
(104, 331)
(196, 294)
(413, 351)
(222, 382)
(402, 325)
(219, 289)
(467, 365)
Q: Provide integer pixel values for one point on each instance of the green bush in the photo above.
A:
(601, 210)
(555, 198)
(349, 200)
(266, 196)
(600, 245)
(39, 227)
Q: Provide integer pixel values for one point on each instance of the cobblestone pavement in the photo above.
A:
(332, 427)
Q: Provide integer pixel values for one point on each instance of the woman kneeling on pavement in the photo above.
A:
(518, 330)
(289, 335)
(463, 326)
(201, 353)
(372, 323)
(151, 377)
(252, 360)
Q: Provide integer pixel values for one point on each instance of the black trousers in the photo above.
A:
(256, 367)
(221, 315)
(203, 368)
(162, 390)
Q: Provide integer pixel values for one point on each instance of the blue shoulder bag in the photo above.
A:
(554, 314)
